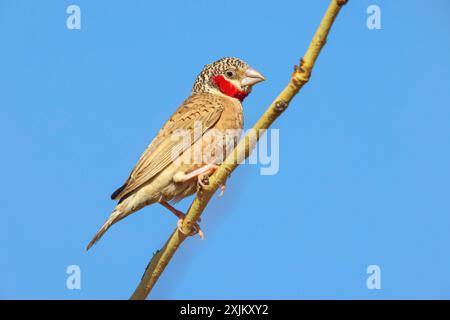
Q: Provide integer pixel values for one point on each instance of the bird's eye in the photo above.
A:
(229, 73)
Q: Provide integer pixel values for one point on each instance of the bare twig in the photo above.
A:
(299, 78)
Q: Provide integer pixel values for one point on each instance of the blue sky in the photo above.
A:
(364, 150)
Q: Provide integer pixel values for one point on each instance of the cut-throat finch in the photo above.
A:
(191, 144)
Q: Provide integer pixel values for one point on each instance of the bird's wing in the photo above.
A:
(203, 109)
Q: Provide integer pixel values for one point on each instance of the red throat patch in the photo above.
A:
(228, 88)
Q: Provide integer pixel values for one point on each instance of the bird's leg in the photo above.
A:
(200, 174)
(180, 215)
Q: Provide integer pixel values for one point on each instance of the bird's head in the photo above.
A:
(228, 76)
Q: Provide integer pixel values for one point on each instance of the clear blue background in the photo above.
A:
(364, 149)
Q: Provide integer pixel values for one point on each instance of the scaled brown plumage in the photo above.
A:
(210, 121)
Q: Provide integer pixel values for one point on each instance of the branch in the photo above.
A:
(299, 78)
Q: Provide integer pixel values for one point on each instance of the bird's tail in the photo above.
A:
(115, 216)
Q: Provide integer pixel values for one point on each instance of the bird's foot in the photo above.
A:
(196, 229)
(202, 175)
(222, 190)
(203, 180)
(180, 215)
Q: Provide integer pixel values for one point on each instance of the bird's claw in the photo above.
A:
(196, 229)
(222, 190)
(203, 180)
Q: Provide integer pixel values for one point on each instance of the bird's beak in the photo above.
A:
(252, 77)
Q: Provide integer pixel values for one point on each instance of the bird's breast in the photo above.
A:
(232, 117)
(219, 141)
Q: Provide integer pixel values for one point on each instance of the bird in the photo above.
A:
(209, 123)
